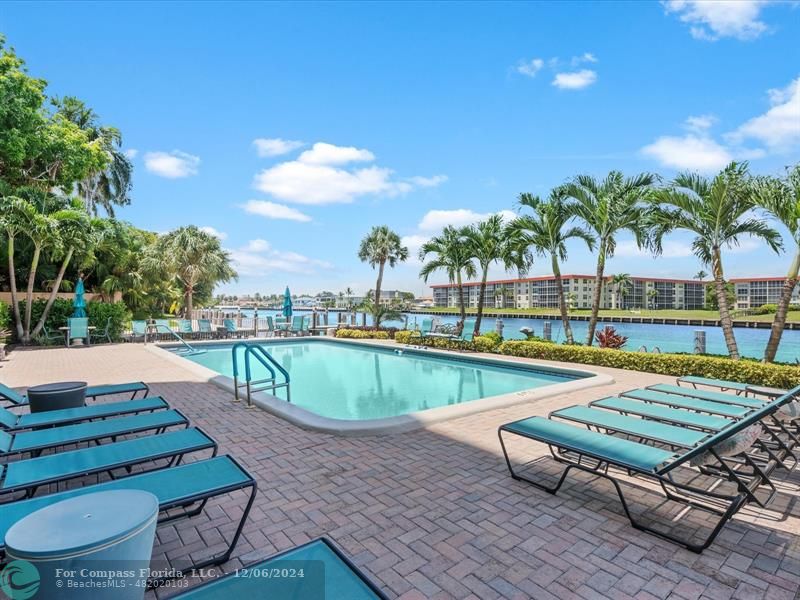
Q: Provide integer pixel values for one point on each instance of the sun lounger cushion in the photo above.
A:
(715, 408)
(720, 383)
(710, 395)
(83, 413)
(664, 413)
(737, 443)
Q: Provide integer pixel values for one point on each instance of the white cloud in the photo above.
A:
(436, 220)
(320, 176)
(131, 153)
(576, 80)
(271, 210)
(715, 19)
(414, 243)
(275, 146)
(258, 258)
(700, 123)
(428, 181)
(697, 153)
(216, 233)
(586, 57)
(172, 165)
(328, 154)
(530, 67)
(779, 127)
(670, 249)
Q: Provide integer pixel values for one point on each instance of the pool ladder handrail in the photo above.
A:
(266, 360)
(171, 331)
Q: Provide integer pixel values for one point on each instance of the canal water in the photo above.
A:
(668, 338)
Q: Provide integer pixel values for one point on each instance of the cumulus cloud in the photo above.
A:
(715, 19)
(700, 123)
(275, 146)
(671, 249)
(586, 57)
(172, 165)
(328, 154)
(271, 210)
(779, 127)
(576, 80)
(693, 152)
(215, 232)
(436, 220)
(530, 67)
(322, 175)
(258, 258)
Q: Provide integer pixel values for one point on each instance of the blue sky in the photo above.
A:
(293, 129)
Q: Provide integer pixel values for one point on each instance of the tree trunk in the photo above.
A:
(724, 309)
(377, 300)
(481, 293)
(598, 289)
(53, 293)
(189, 301)
(29, 295)
(462, 308)
(12, 280)
(783, 308)
(562, 301)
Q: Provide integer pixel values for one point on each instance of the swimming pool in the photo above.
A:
(359, 382)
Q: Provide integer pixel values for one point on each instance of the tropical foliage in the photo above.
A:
(451, 255)
(380, 247)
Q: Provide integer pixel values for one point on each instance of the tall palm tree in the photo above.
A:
(452, 257)
(193, 257)
(490, 241)
(718, 212)
(547, 232)
(622, 283)
(652, 294)
(112, 185)
(15, 215)
(379, 247)
(608, 207)
(700, 275)
(781, 198)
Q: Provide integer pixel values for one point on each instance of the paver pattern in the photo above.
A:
(433, 513)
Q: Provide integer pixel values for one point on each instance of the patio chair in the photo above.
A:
(270, 325)
(737, 387)
(27, 475)
(206, 329)
(231, 330)
(187, 487)
(38, 440)
(47, 336)
(78, 329)
(337, 577)
(661, 451)
(296, 326)
(93, 391)
(138, 330)
(424, 329)
(104, 334)
(185, 326)
(463, 338)
(50, 418)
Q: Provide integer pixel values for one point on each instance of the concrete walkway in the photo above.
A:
(433, 513)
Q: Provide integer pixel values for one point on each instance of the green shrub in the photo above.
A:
(486, 342)
(746, 371)
(100, 312)
(5, 316)
(362, 334)
(403, 337)
(766, 309)
(57, 317)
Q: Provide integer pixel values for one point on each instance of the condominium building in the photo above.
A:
(540, 292)
(754, 292)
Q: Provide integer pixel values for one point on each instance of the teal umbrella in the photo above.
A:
(79, 304)
(287, 303)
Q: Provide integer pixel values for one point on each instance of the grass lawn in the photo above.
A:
(665, 314)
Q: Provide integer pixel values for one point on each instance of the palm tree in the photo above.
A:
(717, 211)
(193, 257)
(112, 185)
(452, 257)
(700, 275)
(781, 198)
(379, 247)
(608, 207)
(622, 283)
(547, 232)
(490, 241)
(15, 216)
(652, 294)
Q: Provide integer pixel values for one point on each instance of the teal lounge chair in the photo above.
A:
(93, 391)
(733, 386)
(186, 487)
(593, 445)
(78, 329)
(206, 329)
(185, 326)
(34, 442)
(328, 574)
(25, 476)
(64, 416)
(231, 330)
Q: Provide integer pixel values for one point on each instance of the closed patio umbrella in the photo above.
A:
(79, 304)
(287, 303)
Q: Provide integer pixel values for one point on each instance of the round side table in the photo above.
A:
(56, 396)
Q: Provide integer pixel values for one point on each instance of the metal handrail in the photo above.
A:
(174, 334)
(266, 360)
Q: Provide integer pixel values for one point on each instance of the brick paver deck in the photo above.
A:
(433, 513)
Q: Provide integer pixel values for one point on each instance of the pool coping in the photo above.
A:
(389, 425)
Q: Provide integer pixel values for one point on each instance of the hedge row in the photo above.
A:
(62, 309)
(482, 343)
(746, 371)
(362, 334)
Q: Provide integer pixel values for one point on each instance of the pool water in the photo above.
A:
(338, 380)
